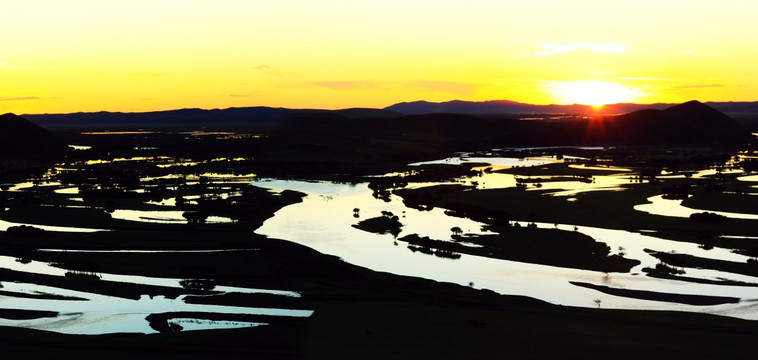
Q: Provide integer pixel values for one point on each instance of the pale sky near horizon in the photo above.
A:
(138, 55)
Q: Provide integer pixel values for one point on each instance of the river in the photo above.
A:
(323, 221)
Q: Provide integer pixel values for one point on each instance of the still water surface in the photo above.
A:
(324, 220)
(89, 313)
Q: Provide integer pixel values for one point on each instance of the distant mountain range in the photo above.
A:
(512, 107)
(243, 117)
(215, 118)
(382, 135)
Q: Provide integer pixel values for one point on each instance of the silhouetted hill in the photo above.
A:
(689, 123)
(21, 138)
(512, 107)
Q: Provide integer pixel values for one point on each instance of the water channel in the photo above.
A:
(323, 221)
(82, 312)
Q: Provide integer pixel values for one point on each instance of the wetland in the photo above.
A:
(202, 240)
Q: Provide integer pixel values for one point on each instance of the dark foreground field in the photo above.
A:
(358, 313)
(364, 314)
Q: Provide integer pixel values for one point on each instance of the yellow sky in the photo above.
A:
(137, 55)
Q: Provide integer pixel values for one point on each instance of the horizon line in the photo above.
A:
(373, 108)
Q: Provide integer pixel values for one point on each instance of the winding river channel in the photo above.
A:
(323, 221)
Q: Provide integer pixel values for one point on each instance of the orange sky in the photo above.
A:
(137, 55)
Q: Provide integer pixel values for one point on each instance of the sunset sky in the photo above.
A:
(91, 55)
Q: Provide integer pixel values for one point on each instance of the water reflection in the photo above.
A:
(553, 184)
(89, 313)
(665, 207)
(494, 161)
(162, 216)
(326, 227)
(105, 314)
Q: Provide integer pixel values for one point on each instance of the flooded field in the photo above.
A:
(548, 193)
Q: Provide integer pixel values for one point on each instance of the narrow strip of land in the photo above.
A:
(699, 300)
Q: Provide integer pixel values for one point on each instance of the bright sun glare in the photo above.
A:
(595, 93)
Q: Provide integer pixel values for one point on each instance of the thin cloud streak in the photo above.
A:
(20, 98)
(597, 47)
(700, 86)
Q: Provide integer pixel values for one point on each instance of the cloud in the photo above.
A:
(597, 47)
(9, 66)
(347, 85)
(700, 86)
(458, 88)
(640, 78)
(20, 98)
(262, 67)
(238, 95)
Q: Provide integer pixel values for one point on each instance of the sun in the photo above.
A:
(595, 93)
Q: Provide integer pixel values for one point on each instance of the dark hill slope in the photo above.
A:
(689, 123)
(700, 116)
(21, 138)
